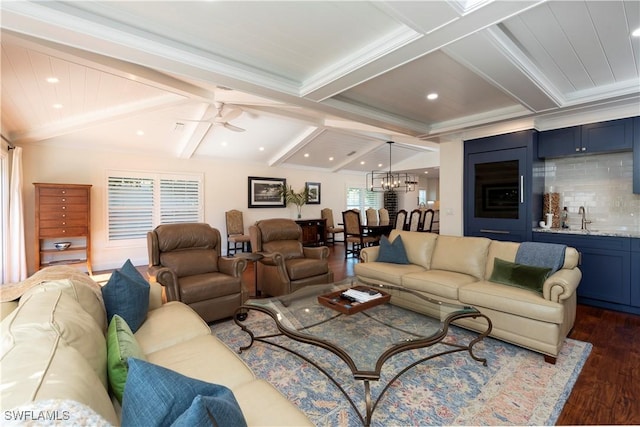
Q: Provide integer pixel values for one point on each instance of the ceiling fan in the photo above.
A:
(223, 116)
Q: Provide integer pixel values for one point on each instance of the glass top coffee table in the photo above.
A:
(365, 339)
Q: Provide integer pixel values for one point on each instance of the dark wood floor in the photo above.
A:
(608, 389)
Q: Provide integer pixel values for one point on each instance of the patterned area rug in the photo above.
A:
(516, 388)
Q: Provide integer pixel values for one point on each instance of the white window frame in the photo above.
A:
(156, 216)
(4, 206)
(367, 199)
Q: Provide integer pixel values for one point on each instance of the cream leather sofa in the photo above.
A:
(456, 269)
(54, 347)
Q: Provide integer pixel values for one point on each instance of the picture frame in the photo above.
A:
(265, 192)
(313, 189)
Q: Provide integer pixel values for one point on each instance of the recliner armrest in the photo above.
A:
(561, 284)
(232, 266)
(321, 252)
(167, 278)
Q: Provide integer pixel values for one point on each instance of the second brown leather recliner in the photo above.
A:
(287, 266)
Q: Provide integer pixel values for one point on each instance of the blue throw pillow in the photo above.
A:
(393, 252)
(127, 295)
(157, 396)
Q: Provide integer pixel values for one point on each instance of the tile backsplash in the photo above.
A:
(602, 183)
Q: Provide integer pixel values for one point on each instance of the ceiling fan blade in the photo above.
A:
(233, 128)
(230, 113)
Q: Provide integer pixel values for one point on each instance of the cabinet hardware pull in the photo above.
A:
(484, 230)
(521, 188)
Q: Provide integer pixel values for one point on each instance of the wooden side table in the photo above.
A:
(252, 257)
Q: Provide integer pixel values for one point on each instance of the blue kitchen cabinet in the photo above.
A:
(605, 263)
(501, 193)
(636, 155)
(601, 137)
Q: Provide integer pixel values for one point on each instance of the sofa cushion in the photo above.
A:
(392, 252)
(127, 295)
(85, 291)
(54, 313)
(159, 396)
(498, 249)
(418, 246)
(519, 275)
(439, 283)
(121, 344)
(384, 272)
(41, 366)
(168, 325)
(466, 255)
(223, 366)
(512, 300)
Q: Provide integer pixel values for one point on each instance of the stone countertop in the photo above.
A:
(594, 232)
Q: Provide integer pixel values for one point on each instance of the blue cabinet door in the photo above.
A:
(636, 155)
(559, 142)
(613, 135)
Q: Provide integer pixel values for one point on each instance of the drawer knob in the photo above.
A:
(64, 200)
(64, 215)
(64, 207)
(64, 231)
(64, 191)
(64, 223)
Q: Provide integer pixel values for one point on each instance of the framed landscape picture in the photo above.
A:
(314, 193)
(265, 192)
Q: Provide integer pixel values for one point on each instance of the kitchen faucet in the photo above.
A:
(582, 213)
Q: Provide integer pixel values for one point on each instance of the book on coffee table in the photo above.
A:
(354, 300)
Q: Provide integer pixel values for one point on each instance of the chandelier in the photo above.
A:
(380, 181)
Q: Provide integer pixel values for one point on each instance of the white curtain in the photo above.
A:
(16, 270)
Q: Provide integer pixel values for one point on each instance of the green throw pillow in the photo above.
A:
(519, 275)
(392, 252)
(121, 344)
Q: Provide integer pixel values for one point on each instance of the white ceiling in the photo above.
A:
(314, 79)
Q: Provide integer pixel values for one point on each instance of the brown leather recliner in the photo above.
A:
(185, 259)
(287, 266)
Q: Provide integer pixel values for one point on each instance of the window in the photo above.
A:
(138, 202)
(362, 199)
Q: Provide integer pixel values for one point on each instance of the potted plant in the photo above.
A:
(298, 199)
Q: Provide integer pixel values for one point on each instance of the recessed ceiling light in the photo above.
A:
(432, 96)
(140, 132)
(52, 80)
(636, 32)
(426, 171)
(362, 163)
(57, 106)
(306, 154)
(379, 165)
(224, 143)
(331, 159)
(261, 148)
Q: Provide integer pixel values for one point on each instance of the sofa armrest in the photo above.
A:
(321, 252)
(369, 254)
(232, 266)
(562, 284)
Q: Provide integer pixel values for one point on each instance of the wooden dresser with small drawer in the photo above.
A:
(63, 214)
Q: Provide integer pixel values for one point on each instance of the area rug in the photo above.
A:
(516, 388)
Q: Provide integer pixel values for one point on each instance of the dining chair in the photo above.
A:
(354, 234)
(236, 239)
(400, 222)
(414, 220)
(332, 230)
(383, 216)
(427, 220)
(372, 216)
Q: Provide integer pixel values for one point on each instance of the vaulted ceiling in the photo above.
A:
(313, 84)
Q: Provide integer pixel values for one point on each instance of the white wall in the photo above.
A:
(451, 185)
(225, 188)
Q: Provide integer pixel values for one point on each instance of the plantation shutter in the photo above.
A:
(137, 202)
(130, 207)
(361, 198)
(179, 201)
